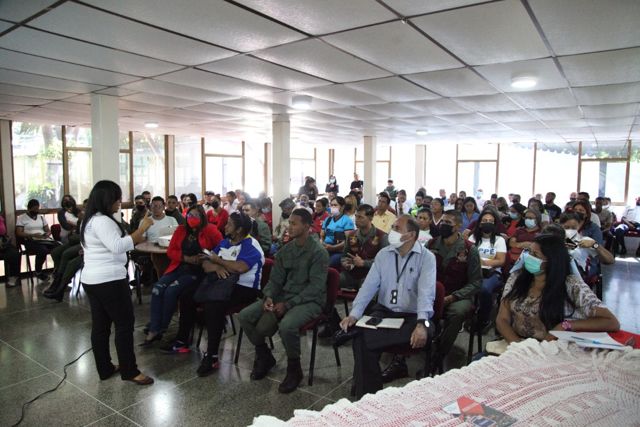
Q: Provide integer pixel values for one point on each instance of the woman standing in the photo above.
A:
(104, 279)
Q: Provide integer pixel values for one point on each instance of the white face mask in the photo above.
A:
(571, 234)
(118, 216)
(395, 239)
(335, 211)
(606, 206)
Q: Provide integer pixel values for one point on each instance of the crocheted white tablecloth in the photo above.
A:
(540, 384)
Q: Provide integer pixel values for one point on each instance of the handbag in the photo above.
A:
(214, 288)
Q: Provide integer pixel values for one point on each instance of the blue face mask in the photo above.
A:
(532, 264)
(530, 223)
(513, 215)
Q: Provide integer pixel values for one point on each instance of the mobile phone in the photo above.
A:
(374, 321)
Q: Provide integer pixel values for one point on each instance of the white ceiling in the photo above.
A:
(373, 67)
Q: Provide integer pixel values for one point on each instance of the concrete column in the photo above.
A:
(6, 154)
(105, 145)
(421, 166)
(170, 162)
(369, 178)
(280, 162)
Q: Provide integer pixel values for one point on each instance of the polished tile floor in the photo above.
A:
(38, 337)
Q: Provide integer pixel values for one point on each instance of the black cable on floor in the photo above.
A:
(64, 377)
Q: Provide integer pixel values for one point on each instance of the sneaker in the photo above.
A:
(175, 347)
(208, 365)
(396, 369)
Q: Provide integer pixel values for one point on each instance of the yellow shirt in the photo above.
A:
(383, 222)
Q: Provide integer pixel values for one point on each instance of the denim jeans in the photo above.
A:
(165, 293)
(485, 297)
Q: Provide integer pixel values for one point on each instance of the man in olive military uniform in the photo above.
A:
(295, 294)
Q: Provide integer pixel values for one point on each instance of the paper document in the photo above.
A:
(589, 339)
(387, 322)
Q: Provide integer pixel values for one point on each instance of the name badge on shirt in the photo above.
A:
(228, 254)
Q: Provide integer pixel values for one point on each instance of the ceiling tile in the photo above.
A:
(18, 10)
(263, 72)
(214, 21)
(393, 110)
(5, 26)
(5, 108)
(487, 33)
(458, 82)
(168, 101)
(285, 98)
(63, 70)
(33, 80)
(417, 7)
(554, 124)
(319, 59)
(343, 95)
(427, 121)
(510, 116)
(322, 17)
(618, 66)
(179, 91)
(393, 89)
(124, 104)
(7, 89)
(396, 47)
(225, 110)
(354, 113)
(69, 106)
(438, 107)
(484, 103)
(530, 125)
(568, 113)
(545, 70)
(610, 111)
(608, 94)
(464, 119)
(47, 45)
(80, 99)
(22, 100)
(554, 98)
(215, 83)
(619, 121)
(257, 106)
(579, 26)
(316, 117)
(85, 23)
(116, 91)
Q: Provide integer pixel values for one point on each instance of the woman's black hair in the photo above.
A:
(587, 207)
(340, 200)
(323, 201)
(193, 199)
(539, 205)
(477, 232)
(248, 225)
(101, 199)
(203, 219)
(554, 296)
(472, 200)
(427, 211)
(32, 203)
(461, 201)
(570, 216)
(520, 208)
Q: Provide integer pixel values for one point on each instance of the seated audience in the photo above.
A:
(502, 207)
(9, 253)
(295, 294)
(33, 229)
(68, 217)
(357, 184)
(173, 210)
(437, 212)
(238, 254)
(333, 231)
(266, 208)
(588, 228)
(332, 186)
(281, 233)
(403, 260)
(351, 203)
(585, 251)
(402, 207)
(583, 197)
(260, 231)
(391, 190)
(217, 215)
(309, 189)
(183, 274)
(231, 202)
(537, 205)
(383, 219)
(139, 212)
(516, 218)
(424, 222)
(319, 216)
(470, 212)
(630, 221)
(523, 236)
(554, 211)
(545, 296)
(163, 224)
(419, 198)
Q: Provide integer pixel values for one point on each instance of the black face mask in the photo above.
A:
(487, 227)
(215, 204)
(285, 215)
(32, 214)
(573, 199)
(579, 216)
(446, 230)
(141, 208)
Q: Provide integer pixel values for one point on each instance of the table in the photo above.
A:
(540, 384)
(158, 256)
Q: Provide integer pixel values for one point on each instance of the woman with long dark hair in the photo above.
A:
(587, 228)
(545, 296)
(470, 212)
(104, 279)
(187, 244)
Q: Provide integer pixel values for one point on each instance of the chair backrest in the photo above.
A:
(266, 272)
(333, 286)
(56, 229)
(438, 303)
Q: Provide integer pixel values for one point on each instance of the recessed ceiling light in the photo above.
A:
(524, 81)
(421, 132)
(151, 125)
(301, 102)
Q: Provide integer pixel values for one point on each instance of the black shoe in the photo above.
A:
(263, 362)
(58, 297)
(149, 342)
(396, 369)
(293, 378)
(208, 365)
(341, 337)
(327, 331)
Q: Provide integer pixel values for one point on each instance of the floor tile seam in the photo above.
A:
(41, 334)
(137, 402)
(4, 387)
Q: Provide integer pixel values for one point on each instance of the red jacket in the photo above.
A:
(208, 238)
(219, 219)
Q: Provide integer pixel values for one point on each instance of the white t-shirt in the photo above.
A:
(424, 237)
(159, 228)
(488, 251)
(72, 220)
(31, 226)
(105, 251)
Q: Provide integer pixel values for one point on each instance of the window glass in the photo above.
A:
(37, 163)
(382, 174)
(477, 175)
(343, 168)
(124, 177)
(403, 167)
(299, 150)
(516, 170)
(554, 160)
(440, 169)
(605, 150)
(80, 174)
(223, 174)
(300, 168)
(77, 136)
(604, 179)
(634, 174)
(217, 146)
(148, 163)
(254, 167)
(124, 140)
(188, 165)
(477, 151)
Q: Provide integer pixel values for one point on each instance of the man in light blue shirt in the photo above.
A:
(404, 277)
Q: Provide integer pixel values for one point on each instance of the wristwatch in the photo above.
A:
(595, 246)
(425, 322)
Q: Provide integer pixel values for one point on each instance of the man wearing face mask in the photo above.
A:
(403, 276)
(460, 271)
(139, 212)
(34, 230)
(146, 195)
(172, 209)
(208, 199)
(217, 215)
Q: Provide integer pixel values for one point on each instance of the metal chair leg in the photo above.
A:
(271, 343)
(233, 324)
(337, 354)
(312, 362)
(237, 355)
